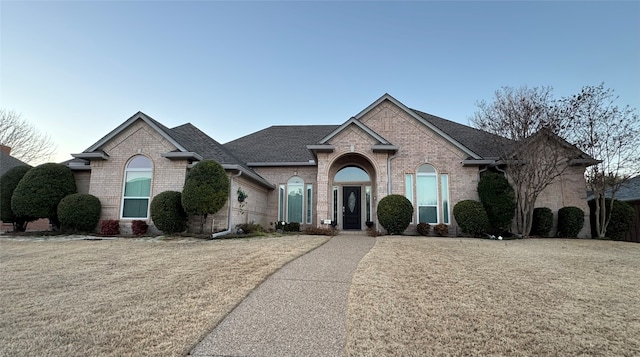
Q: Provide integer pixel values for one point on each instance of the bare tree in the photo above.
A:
(611, 134)
(27, 143)
(534, 155)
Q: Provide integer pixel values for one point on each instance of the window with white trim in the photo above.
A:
(137, 188)
(427, 194)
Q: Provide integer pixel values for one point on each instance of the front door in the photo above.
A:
(351, 207)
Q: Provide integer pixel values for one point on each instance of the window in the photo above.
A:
(281, 203)
(367, 191)
(335, 204)
(408, 189)
(427, 194)
(309, 201)
(137, 188)
(444, 193)
(295, 200)
(352, 174)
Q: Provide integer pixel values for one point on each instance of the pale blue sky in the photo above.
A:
(79, 69)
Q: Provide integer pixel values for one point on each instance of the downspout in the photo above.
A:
(389, 173)
(230, 219)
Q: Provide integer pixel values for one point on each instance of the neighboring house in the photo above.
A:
(7, 162)
(630, 193)
(311, 174)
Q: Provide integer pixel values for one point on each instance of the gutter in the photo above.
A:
(229, 218)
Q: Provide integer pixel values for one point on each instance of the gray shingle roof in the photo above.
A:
(630, 191)
(7, 162)
(193, 139)
(481, 142)
(279, 143)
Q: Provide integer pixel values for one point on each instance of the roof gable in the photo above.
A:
(416, 116)
(353, 121)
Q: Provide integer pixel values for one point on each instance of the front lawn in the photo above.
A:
(471, 297)
(127, 297)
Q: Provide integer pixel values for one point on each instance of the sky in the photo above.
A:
(77, 70)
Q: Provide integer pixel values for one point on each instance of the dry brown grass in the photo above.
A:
(128, 297)
(469, 297)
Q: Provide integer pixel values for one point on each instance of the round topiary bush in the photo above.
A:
(542, 221)
(394, 213)
(41, 189)
(570, 221)
(471, 217)
(8, 183)
(79, 212)
(499, 201)
(167, 212)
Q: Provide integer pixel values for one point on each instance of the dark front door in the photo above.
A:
(351, 207)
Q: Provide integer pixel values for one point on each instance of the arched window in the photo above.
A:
(427, 194)
(295, 199)
(352, 174)
(137, 188)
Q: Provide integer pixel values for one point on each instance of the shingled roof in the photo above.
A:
(7, 162)
(279, 144)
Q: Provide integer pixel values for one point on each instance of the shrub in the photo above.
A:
(570, 221)
(79, 212)
(321, 231)
(110, 227)
(167, 212)
(250, 228)
(441, 230)
(423, 229)
(621, 219)
(288, 226)
(139, 227)
(41, 189)
(8, 183)
(498, 199)
(542, 221)
(394, 213)
(206, 190)
(471, 217)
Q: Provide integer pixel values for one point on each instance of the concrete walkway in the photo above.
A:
(298, 311)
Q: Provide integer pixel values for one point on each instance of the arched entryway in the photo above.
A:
(352, 187)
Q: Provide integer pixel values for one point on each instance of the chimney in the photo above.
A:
(5, 149)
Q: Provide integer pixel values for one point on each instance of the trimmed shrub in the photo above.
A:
(621, 219)
(206, 190)
(320, 231)
(499, 201)
(250, 228)
(441, 229)
(167, 212)
(79, 212)
(423, 229)
(139, 227)
(41, 189)
(110, 227)
(8, 183)
(570, 221)
(292, 227)
(394, 213)
(471, 217)
(542, 221)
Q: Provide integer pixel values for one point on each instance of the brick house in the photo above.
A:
(311, 174)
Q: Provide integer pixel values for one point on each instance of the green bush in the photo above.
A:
(79, 212)
(471, 217)
(441, 229)
(41, 189)
(542, 221)
(8, 183)
(394, 213)
(320, 231)
(206, 190)
(167, 212)
(621, 219)
(499, 201)
(570, 221)
(423, 228)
